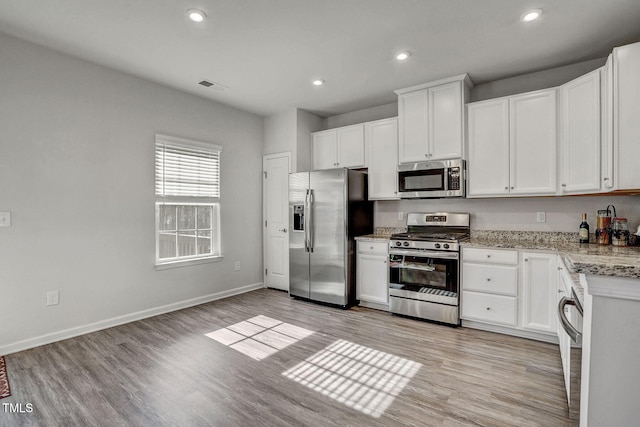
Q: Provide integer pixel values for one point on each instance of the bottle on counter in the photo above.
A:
(584, 229)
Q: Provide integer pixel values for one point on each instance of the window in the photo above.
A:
(187, 200)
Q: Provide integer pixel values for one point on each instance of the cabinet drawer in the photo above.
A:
(489, 308)
(369, 247)
(494, 256)
(495, 279)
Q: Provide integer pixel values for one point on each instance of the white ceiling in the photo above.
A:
(266, 52)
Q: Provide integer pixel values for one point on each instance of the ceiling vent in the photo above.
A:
(209, 84)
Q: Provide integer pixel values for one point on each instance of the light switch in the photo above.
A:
(541, 217)
(5, 219)
(400, 216)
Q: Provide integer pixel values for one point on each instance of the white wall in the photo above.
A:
(306, 124)
(280, 132)
(534, 81)
(366, 115)
(290, 131)
(76, 171)
(562, 213)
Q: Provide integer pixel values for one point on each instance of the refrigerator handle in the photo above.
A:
(310, 219)
(306, 225)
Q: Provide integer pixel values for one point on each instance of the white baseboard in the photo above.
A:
(538, 336)
(120, 320)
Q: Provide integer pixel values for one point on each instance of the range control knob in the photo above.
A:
(446, 246)
(398, 243)
(406, 243)
(437, 245)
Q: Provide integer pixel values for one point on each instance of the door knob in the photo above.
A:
(284, 230)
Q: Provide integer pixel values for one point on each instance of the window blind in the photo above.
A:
(187, 168)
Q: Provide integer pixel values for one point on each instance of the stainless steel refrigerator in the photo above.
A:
(327, 209)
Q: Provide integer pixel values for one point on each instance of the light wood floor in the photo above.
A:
(165, 371)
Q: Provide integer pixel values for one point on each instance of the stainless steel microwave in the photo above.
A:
(430, 180)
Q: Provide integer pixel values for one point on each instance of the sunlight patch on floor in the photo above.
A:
(360, 377)
(260, 336)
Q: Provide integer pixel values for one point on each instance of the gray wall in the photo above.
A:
(562, 213)
(76, 168)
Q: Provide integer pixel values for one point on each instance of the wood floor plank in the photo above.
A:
(165, 371)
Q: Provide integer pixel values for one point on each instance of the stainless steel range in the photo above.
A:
(424, 266)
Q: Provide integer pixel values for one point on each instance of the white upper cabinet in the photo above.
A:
(431, 120)
(606, 103)
(580, 134)
(488, 166)
(626, 116)
(339, 148)
(512, 145)
(381, 139)
(532, 134)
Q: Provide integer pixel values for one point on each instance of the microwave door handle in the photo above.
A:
(566, 325)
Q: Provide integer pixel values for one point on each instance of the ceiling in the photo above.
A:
(265, 53)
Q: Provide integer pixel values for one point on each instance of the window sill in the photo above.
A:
(187, 262)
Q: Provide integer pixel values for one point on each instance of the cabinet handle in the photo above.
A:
(560, 291)
(512, 188)
(564, 185)
(559, 268)
(385, 261)
(606, 179)
(284, 230)
(488, 256)
(526, 259)
(488, 308)
(506, 188)
(488, 279)
(370, 247)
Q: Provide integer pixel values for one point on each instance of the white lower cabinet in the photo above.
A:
(539, 291)
(489, 286)
(564, 340)
(372, 274)
(510, 291)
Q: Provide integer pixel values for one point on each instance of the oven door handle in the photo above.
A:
(413, 267)
(566, 325)
(426, 254)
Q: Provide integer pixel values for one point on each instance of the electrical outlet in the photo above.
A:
(5, 219)
(53, 298)
(400, 216)
(237, 266)
(541, 217)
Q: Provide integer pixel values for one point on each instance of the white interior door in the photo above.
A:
(276, 169)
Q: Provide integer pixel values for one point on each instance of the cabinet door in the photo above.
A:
(564, 340)
(626, 115)
(325, 149)
(445, 121)
(381, 139)
(608, 183)
(533, 143)
(372, 283)
(488, 165)
(351, 152)
(413, 126)
(489, 308)
(580, 134)
(539, 291)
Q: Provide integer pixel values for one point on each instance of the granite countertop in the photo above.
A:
(381, 234)
(580, 258)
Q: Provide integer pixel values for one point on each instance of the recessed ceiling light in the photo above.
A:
(531, 15)
(318, 82)
(196, 15)
(402, 56)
